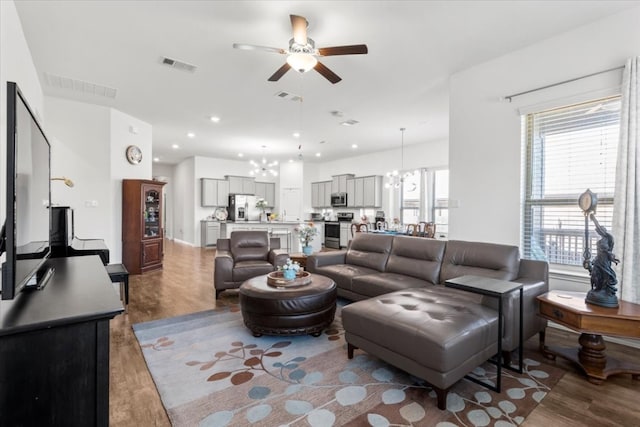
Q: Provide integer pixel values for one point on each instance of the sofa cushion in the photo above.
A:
(439, 331)
(416, 257)
(245, 270)
(372, 285)
(343, 274)
(249, 245)
(369, 250)
(480, 259)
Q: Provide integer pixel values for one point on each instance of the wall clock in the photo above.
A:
(134, 154)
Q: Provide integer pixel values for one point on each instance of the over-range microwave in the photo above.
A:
(338, 200)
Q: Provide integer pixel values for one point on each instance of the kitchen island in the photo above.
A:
(286, 230)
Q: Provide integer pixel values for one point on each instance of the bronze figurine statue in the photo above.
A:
(603, 277)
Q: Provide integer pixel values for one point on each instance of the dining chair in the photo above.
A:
(382, 225)
(412, 230)
(427, 229)
(359, 228)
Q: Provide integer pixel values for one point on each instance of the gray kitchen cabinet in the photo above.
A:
(210, 233)
(315, 194)
(351, 192)
(372, 191)
(214, 192)
(339, 182)
(321, 194)
(241, 185)
(358, 197)
(327, 194)
(266, 191)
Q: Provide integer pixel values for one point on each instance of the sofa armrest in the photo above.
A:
(534, 270)
(321, 259)
(278, 257)
(223, 245)
(223, 268)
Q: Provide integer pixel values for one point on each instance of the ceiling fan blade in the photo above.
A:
(276, 76)
(327, 73)
(355, 49)
(299, 25)
(255, 47)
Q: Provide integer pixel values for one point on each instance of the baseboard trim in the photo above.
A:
(624, 341)
(183, 242)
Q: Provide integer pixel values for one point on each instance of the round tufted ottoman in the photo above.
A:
(290, 311)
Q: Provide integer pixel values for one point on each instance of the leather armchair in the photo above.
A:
(244, 255)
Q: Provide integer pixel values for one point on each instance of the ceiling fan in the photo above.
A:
(302, 54)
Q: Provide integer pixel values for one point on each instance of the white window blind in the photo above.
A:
(568, 150)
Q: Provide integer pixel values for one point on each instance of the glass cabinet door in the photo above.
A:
(151, 212)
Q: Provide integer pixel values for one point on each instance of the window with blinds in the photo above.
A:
(568, 150)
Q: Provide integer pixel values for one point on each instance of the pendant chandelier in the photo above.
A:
(263, 167)
(394, 178)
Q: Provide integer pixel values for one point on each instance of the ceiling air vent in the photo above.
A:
(349, 122)
(179, 65)
(76, 85)
(288, 96)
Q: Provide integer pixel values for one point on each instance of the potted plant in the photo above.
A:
(262, 205)
(289, 269)
(306, 233)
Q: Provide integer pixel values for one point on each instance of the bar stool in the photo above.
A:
(280, 233)
(119, 274)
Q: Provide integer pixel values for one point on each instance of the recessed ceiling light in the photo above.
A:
(296, 134)
(156, 159)
(349, 122)
(240, 155)
(214, 119)
(290, 160)
(175, 146)
(191, 135)
(354, 146)
(318, 154)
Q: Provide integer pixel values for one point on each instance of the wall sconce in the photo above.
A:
(66, 180)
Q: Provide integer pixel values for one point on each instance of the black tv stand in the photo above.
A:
(40, 279)
(54, 347)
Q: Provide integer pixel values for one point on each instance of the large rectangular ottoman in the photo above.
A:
(436, 334)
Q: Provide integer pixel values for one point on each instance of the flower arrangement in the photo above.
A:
(290, 265)
(261, 204)
(306, 233)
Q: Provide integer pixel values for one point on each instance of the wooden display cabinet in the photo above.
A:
(142, 233)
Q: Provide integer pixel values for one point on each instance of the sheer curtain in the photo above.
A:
(626, 211)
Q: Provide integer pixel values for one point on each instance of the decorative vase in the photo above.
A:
(307, 250)
(289, 274)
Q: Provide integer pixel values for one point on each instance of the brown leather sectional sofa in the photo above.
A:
(404, 315)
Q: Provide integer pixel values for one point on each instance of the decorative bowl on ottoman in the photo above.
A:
(278, 279)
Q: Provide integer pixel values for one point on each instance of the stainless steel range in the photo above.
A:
(332, 229)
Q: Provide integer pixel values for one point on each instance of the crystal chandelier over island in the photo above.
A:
(263, 167)
(395, 178)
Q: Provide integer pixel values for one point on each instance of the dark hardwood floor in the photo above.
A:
(185, 285)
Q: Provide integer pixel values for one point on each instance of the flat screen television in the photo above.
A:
(27, 227)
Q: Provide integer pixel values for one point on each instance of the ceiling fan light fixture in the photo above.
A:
(302, 62)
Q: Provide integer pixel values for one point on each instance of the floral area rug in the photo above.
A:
(210, 371)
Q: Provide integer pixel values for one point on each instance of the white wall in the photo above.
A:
(89, 143)
(184, 202)
(484, 150)
(125, 130)
(485, 144)
(166, 171)
(16, 65)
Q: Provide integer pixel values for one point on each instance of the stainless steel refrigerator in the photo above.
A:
(243, 208)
